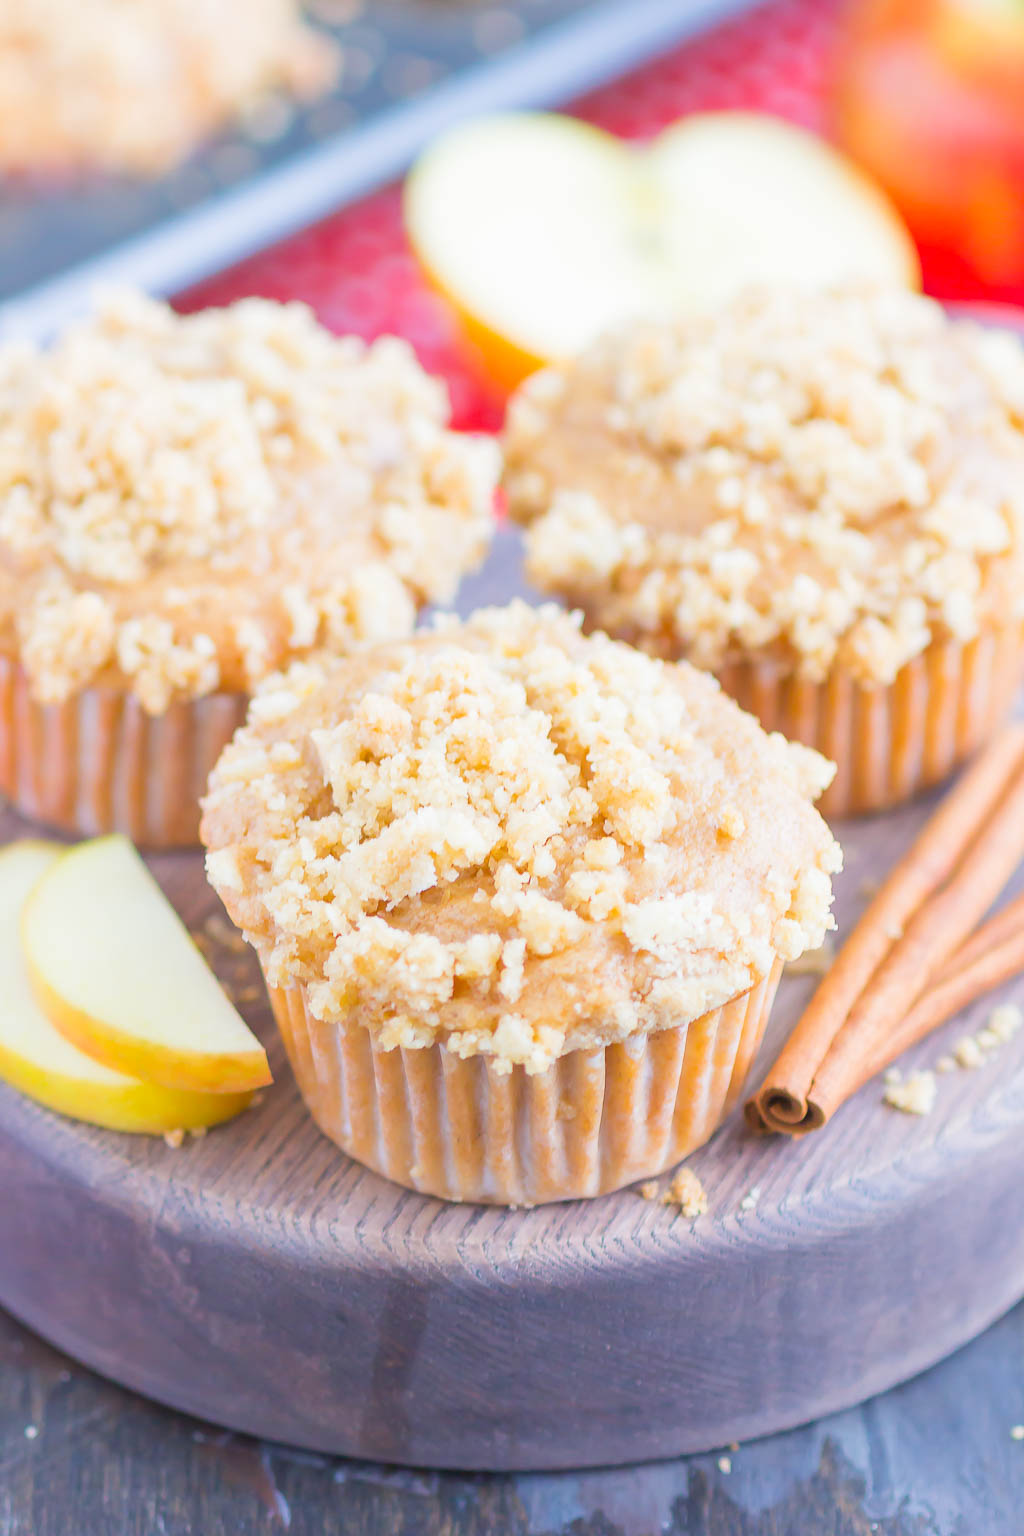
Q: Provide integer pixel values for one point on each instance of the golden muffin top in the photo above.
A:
(515, 839)
(188, 502)
(831, 478)
(133, 85)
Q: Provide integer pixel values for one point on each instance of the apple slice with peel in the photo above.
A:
(116, 971)
(543, 231)
(38, 1061)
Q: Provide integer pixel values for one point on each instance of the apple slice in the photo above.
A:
(543, 231)
(116, 971)
(749, 199)
(38, 1061)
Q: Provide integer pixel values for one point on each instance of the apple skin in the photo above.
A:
(243, 1068)
(40, 1063)
(122, 1103)
(212, 1073)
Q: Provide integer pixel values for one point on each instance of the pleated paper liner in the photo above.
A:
(594, 1121)
(99, 763)
(890, 742)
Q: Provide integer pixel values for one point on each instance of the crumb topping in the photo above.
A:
(190, 501)
(914, 1095)
(515, 838)
(687, 1193)
(836, 478)
(133, 87)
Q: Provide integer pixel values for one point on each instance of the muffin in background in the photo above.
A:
(186, 504)
(818, 497)
(133, 88)
(521, 898)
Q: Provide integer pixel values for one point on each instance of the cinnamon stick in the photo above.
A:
(938, 927)
(785, 1101)
(955, 989)
(1005, 924)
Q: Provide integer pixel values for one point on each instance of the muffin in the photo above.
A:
(818, 497)
(521, 897)
(133, 88)
(186, 504)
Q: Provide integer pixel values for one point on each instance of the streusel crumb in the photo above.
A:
(135, 87)
(914, 1095)
(825, 478)
(188, 502)
(506, 835)
(687, 1193)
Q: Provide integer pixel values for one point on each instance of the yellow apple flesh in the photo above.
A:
(116, 972)
(39, 1062)
(543, 232)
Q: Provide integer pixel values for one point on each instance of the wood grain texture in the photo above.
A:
(932, 1458)
(259, 1279)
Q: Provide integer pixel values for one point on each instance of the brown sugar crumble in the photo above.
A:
(189, 502)
(825, 478)
(687, 1193)
(917, 1093)
(504, 834)
(914, 1095)
(133, 88)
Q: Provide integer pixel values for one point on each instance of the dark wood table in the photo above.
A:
(80, 1457)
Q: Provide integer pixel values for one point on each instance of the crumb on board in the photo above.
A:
(725, 1464)
(750, 1199)
(1004, 1022)
(999, 1028)
(814, 962)
(968, 1053)
(31, 1431)
(176, 1138)
(1017, 1432)
(687, 1192)
(914, 1095)
(945, 1064)
(648, 1190)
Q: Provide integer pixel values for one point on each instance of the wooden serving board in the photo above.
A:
(259, 1279)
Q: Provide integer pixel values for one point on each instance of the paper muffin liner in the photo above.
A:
(99, 763)
(458, 1128)
(889, 742)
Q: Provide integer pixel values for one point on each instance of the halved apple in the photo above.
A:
(116, 972)
(543, 231)
(39, 1062)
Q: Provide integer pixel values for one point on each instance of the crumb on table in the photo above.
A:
(914, 1095)
(687, 1192)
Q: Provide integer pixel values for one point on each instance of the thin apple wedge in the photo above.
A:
(40, 1063)
(116, 972)
(542, 231)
